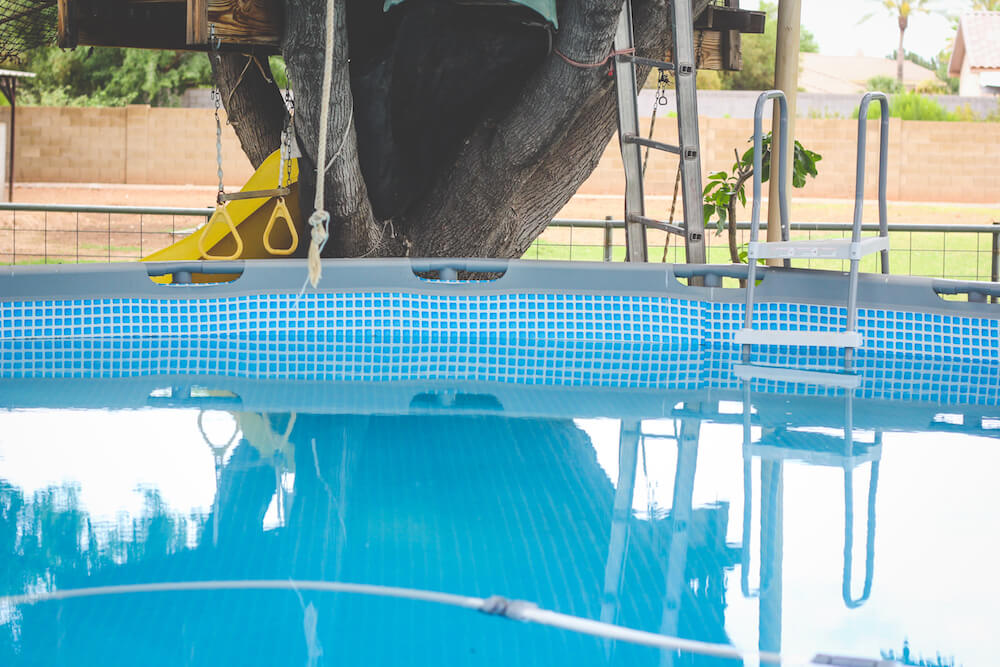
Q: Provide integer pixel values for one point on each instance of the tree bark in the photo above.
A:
(353, 229)
(434, 169)
(900, 54)
(252, 101)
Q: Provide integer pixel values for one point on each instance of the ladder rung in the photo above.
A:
(658, 145)
(818, 249)
(648, 62)
(798, 337)
(656, 224)
(255, 194)
(800, 375)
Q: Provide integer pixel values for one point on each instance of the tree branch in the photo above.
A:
(499, 156)
(548, 163)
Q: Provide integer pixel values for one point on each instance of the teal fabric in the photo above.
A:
(547, 8)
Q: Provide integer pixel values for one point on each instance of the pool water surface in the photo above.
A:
(802, 524)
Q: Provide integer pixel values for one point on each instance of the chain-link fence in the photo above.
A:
(963, 252)
(69, 234)
(48, 234)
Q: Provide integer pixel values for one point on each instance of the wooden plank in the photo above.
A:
(708, 49)
(716, 17)
(732, 53)
(197, 22)
(246, 21)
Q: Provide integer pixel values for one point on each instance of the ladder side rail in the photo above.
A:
(859, 167)
(758, 118)
(628, 124)
(849, 600)
(859, 195)
(883, 169)
(687, 131)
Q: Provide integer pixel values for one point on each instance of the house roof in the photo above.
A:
(848, 74)
(978, 42)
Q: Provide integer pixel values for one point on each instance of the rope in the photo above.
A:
(517, 610)
(575, 63)
(343, 138)
(673, 208)
(320, 218)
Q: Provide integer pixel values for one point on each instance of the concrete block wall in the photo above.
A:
(928, 161)
(134, 145)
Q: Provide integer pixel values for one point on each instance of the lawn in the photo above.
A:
(957, 255)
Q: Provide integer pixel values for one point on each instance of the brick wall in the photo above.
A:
(928, 161)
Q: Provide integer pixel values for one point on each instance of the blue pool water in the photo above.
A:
(733, 530)
(601, 454)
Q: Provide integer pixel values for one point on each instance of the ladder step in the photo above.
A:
(656, 224)
(798, 337)
(649, 143)
(799, 375)
(648, 62)
(255, 194)
(818, 249)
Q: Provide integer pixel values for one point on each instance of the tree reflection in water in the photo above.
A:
(474, 505)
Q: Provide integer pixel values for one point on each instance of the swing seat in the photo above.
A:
(250, 217)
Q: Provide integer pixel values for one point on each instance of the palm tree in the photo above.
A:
(902, 9)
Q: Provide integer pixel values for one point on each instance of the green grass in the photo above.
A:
(930, 254)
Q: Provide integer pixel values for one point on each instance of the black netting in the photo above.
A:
(26, 24)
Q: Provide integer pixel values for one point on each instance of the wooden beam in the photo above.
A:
(717, 17)
(716, 50)
(197, 22)
(235, 22)
(66, 35)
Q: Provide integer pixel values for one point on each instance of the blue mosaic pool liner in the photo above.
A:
(541, 318)
(558, 363)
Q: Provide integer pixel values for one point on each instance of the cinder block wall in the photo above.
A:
(928, 161)
(134, 145)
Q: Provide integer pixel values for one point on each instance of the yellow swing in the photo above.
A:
(255, 223)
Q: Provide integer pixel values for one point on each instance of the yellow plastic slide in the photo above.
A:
(256, 236)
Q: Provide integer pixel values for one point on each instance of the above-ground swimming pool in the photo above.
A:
(586, 439)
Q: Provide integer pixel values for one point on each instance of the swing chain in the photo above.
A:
(661, 88)
(285, 164)
(217, 100)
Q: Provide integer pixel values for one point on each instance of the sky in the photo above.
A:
(835, 25)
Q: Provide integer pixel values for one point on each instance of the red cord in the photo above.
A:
(574, 63)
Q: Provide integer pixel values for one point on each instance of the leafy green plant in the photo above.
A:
(911, 106)
(112, 76)
(725, 189)
(885, 84)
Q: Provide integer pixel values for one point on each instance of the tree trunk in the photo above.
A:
(455, 130)
(252, 101)
(900, 54)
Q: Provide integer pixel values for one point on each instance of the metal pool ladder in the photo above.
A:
(779, 443)
(853, 249)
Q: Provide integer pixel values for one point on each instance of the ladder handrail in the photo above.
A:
(883, 169)
(850, 601)
(758, 117)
